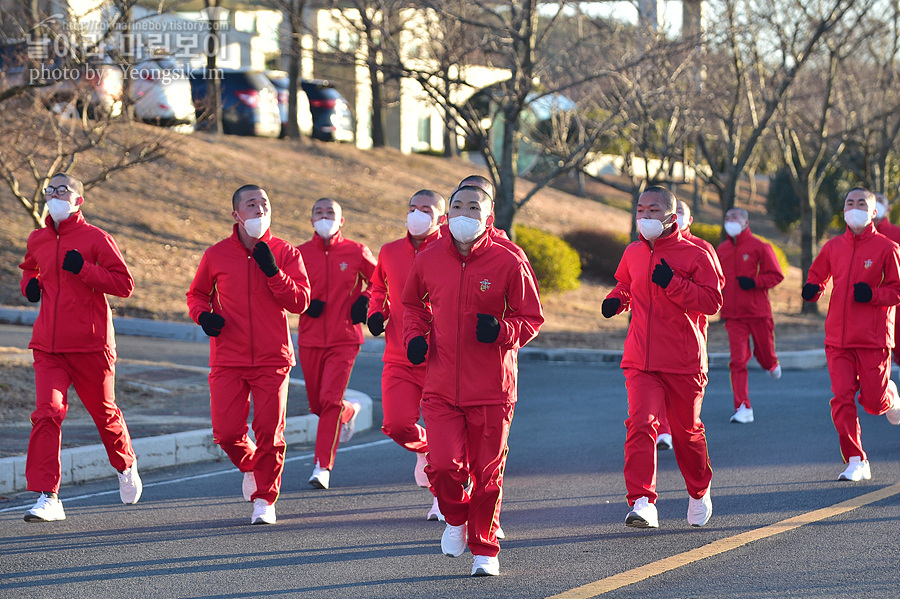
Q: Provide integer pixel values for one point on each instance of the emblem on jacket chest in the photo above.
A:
(746, 257)
(343, 266)
(867, 264)
(485, 284)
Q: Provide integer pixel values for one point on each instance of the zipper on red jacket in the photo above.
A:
(649, 311)
(462, 278)
(250, 309)
(849, 291)
(58, 292)
(327, 287)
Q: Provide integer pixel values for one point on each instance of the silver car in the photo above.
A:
(161, 93)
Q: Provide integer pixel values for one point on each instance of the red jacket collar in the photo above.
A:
(868, 232)
(319, 241)
(425, 242)
(673, 237)
(742, 236)
(480, 245)
(75, 219)
(235, 236)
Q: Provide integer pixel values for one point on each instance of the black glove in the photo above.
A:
(263, 255)
(33, 290)
(662, 274)
(809, 291)
(488, 329)
(359, 309)
(416, 350)
(73, 261)
(746, 283)
(315, 308)
(376, 323)
(862, 293)
(610, 307)
(212, 323)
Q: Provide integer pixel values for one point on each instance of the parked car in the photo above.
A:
(64, 82)
(161, 93)
(331, 115)
(249, 102)
(282, 83)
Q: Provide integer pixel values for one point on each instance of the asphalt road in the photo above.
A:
(563, 511)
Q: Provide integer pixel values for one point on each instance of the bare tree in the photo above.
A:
(754, 55)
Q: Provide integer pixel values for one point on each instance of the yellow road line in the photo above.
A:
(618, 581)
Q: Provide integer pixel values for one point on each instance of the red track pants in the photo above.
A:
(230, 392)
(740, 330)
(681, 397)
(852, 370)
(468, 442)
(326, 371)
(401, 396)
(93, 375)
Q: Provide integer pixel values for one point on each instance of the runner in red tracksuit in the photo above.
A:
(401, 382)
(751, 269)
(71, 266)
(684, 220)
(864, 267)
(884, 226)
(474, 304)
(241, 295)
(667, 283)
(329, 334)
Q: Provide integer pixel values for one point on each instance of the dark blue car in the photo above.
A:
(249, 102)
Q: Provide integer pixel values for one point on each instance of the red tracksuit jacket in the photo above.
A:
(889, 230)
(699, 241)
(255, 307)
(871, 258)
(74, 314)
(748, 256)
(337, 273)
(666, 330)
(394, 263)
(443, 294)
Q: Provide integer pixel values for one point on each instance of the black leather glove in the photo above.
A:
(416, 350)
(862, 293)
(662, 274)
(33, 290)
(359, 309)
(809, 291)
(263, 255)
(488, 328)
(73, 261)
(212, 323)
(315, 308)
(610, 307)
(376, 323)
(746, 283)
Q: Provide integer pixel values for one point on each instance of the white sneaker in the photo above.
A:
(46, 509)
(500, 534)
(642, 515)
(263, 512)
(130, 485)
(453, 541)
(893, 413)
(435, 512)
(248, 486)
(419, 472)
(743, 415)
(664, 441)
(699, 510)
(320, 478)
(775, 373)
(349, 428)
(857, 470)
(485, 565)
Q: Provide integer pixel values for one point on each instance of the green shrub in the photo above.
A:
(599, 250)
(713, 234)
(555, 263)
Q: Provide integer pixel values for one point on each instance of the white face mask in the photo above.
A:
(650, 228)
(257, 227)
(326, 228)
(733, 229)
(60, 209)
(880, 210)
(465, 229)
(418, 223)
(856, 218)
(681, 224)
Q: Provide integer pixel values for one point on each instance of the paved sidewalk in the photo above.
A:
(158, 443)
